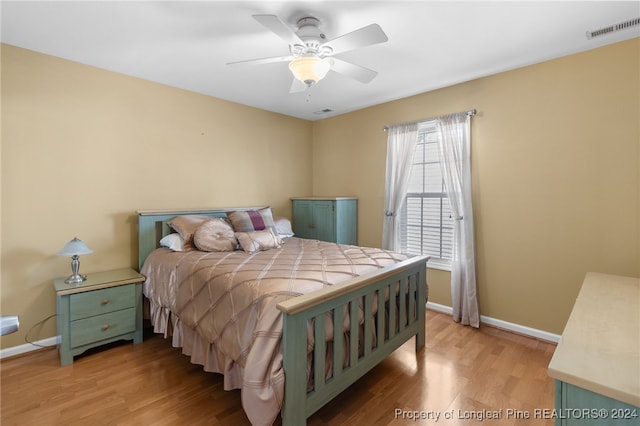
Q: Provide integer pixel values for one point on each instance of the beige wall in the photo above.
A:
(555, 160)
(555, 163)
(83, 149)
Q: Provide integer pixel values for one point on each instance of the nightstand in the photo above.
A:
(104, 308)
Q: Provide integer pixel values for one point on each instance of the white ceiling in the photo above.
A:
(431, 44)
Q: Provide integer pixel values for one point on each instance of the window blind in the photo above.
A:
(427, 222)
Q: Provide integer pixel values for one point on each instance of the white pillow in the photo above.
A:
(283, 227)
(173, 241)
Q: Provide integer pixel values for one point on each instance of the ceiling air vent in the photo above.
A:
(613, 28)
(323, 111)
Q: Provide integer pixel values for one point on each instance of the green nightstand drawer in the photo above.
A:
(99, 302)
(102, 327)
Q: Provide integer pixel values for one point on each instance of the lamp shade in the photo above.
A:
(309, 69)
(74, 247)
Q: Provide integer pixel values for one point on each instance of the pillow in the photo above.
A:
(172, 241)
(215, 235)
(251, 220)
(186, 226)
(252, 242)
(283, 227)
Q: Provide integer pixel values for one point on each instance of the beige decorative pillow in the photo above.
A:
(215, 235)
(186, 226)
(252, 242)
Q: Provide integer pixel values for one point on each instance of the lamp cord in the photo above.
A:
(27, 339)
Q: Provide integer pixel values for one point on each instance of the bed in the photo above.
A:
(258, 315)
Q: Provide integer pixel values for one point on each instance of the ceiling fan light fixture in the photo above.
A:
(309, 69)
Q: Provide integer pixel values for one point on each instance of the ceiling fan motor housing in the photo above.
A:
(309, 32)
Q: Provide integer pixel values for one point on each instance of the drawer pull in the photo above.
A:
(105, 327)
(105, 301)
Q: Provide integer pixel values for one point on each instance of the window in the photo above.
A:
(427, 224)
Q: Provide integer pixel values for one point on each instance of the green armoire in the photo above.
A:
(332, 219)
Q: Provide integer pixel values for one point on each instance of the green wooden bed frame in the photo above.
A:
(394, 324)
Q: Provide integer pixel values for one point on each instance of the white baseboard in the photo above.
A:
(505, 325)
(28, 347)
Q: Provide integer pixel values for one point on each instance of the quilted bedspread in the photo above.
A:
(227, 301)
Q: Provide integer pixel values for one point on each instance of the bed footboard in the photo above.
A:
(398, 317)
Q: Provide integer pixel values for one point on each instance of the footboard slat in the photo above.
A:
(338, 344)
(407, 288)
(319, 350)
(402, 323)
(392, 309)
(381, 317)
(368, 323)
(412, 300)
(353, 333)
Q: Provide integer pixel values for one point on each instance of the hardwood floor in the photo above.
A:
(463, 373)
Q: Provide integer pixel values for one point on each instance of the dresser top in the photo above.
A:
(600, 346)
(98, 280)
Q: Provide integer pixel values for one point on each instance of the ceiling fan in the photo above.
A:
(311, 56)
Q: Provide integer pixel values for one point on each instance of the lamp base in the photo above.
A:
(75, 279)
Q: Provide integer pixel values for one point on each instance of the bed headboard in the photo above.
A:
(152, 226)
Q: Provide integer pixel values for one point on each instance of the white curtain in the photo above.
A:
(401, 142)
(454, 147)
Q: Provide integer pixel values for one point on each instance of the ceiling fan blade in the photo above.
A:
(365, 36)
(262, 60)
(357, 72)
(273, 23)
(297, 86)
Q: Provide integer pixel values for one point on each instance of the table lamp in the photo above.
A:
(74, 248)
